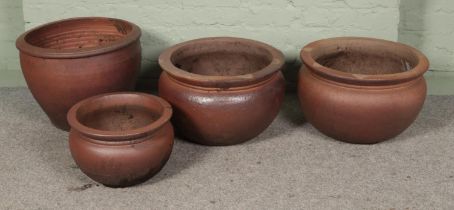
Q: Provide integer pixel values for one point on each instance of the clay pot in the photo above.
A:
(223, 90)
(121, 139)
(66, 61)
(361, 90)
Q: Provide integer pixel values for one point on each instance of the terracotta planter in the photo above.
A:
(121, 139)
(361, 90)
(66, 61)
(223, 90)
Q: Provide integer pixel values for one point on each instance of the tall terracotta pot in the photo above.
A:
(361, 90)
(223, 90)
(66, 61)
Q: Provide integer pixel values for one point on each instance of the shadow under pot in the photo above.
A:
(361, 90)
(121, 139)
(223, 90)
(66, 61)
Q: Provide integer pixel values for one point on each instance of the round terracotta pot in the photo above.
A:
(66, 61)
(223, 90)
(121, 139)
(361, 90)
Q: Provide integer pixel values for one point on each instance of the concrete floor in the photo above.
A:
(289, 166)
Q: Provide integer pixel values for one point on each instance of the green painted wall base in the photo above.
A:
(440, 82)
(11, 78)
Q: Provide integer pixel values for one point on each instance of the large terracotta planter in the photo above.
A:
(66, 61)
(121, 139)
(361, 90)
(223, 90)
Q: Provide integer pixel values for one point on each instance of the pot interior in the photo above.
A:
(221, 58)
(363, 58)
(79, 33)
(119, 118)
(118, 114)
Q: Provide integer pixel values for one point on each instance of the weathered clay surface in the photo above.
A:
(361, 90)
(66, 61)
(224, 91)
(121, 139)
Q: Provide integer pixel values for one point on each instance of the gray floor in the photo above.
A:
(290, 166)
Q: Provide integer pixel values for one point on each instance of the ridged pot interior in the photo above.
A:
(221, 58)
(362, 57)
(119, 113)
(79, 33)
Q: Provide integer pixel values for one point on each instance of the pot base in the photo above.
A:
(135, 181)
(62, 126)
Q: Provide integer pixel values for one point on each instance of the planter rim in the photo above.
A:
(26, 47)
(306, 55)
(120, 137)
(276, 64)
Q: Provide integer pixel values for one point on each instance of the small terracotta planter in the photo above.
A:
(361, 90)
(66, 61)
(223, 90)
(121, 139)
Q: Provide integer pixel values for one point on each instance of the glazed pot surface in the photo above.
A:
(66, 61)
(361, 90)
(223, 90)
(121, 139)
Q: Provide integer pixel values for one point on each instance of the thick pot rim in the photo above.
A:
(24, 46)
(118, 137)
(276, 64)
(306, 55)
